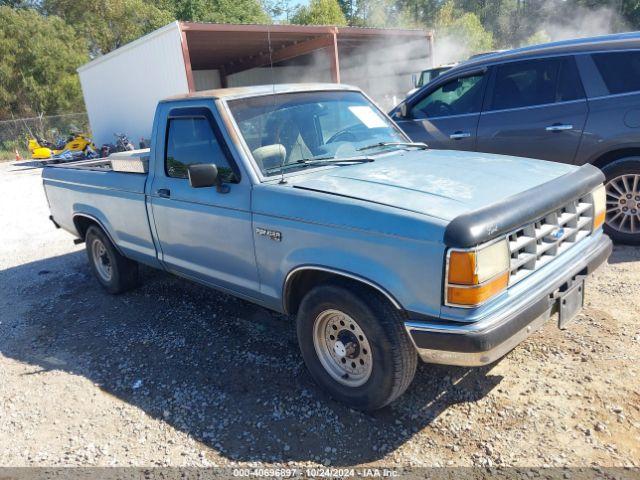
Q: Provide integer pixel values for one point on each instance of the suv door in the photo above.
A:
(612, 81)
(202, 233)
(534, 108)
(446, 115)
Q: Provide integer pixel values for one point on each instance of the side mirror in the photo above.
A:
(203, 175)
(403, 110)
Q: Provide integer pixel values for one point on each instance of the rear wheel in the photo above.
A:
(115, 272)
(355, 345)
(622, 221)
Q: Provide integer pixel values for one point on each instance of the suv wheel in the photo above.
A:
(115, 272)
(355, 345)
(622, 222)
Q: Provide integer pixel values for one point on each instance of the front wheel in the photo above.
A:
(355, 345)
(622, 221)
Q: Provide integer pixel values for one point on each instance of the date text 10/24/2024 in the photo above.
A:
(317, 472)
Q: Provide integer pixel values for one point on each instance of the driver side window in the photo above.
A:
(455, 97)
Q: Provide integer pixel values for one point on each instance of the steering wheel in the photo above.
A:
(349, 134)
(438, 108)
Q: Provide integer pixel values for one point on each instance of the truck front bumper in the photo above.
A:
(484, 341)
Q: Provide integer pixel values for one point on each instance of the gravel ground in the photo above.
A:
(174, 374)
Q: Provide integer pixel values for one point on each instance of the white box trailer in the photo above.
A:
(122, 88)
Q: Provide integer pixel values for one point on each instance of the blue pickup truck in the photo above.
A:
(310, 201)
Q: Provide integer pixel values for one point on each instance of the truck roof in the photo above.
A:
(259, 90)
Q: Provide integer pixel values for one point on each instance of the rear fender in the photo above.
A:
(92, 214)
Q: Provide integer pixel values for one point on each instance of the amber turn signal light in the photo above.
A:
(475, 275)
(475, 295)
(462, 268)
(599, 206)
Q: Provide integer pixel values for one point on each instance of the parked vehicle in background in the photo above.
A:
(75, 146)
(307, 200)
(123, 144)
(428, 75)
(576, 101)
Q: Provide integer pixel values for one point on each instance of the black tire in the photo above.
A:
(393, 356)
(123, 272)
(614, 170)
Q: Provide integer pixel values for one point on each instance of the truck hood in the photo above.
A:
(439, 183)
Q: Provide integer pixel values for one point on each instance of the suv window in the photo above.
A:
(456, 97)
(523, 84)
(620, 70)
(569, 83)
(536, 82)
(192, 140)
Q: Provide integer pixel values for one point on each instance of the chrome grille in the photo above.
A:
(535, 244)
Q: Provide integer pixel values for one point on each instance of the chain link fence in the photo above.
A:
(15, 133)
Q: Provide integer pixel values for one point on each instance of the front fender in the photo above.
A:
(408, 271)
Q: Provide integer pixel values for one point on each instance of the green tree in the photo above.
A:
(19, 3)
(278, 9)
(38, 60)
(459, 34)
(537, 38)
(219, 11)
(320, 12)
(348, 8)
(108, 24)
(420, 12)
(381, 13)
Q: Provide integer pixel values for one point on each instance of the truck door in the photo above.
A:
(534, 108)
(446, 116)
(201, 233)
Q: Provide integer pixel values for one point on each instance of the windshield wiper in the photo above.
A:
(419, 145)
(307, 162)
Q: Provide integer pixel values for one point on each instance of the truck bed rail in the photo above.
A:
(135, 161)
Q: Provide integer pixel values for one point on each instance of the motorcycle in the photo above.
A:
(122, 144)
(75, 146)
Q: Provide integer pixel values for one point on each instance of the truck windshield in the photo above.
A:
(293, 129)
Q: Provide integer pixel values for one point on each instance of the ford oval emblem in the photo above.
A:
(558, 233)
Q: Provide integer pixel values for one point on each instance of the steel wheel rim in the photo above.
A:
(101, 260)
(623, 203)
(342, 348)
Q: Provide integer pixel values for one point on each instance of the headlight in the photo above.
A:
(599, 206)
(478, 274)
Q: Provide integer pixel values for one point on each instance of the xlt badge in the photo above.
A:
(272, 234)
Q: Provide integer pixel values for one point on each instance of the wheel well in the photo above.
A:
(614, 155)
(83, 223)
(302, 281)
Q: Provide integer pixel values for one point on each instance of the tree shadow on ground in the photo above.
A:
(223, 370)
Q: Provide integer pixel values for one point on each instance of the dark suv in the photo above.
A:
(575, 101)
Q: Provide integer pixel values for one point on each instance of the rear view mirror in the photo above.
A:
(203, 175)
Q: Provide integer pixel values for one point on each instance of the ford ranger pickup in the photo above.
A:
(310, 201)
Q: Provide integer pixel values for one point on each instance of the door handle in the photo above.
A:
(558, 127)
(459, 135)
(164, 192)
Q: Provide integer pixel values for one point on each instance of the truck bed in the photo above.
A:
(103, 190)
